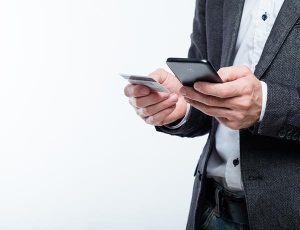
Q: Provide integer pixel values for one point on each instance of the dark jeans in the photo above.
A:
(226, 211)
(210, 221)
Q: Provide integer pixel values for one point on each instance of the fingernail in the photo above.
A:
(197, 85)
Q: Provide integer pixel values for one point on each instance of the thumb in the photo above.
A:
(233, 73)
(159, 75)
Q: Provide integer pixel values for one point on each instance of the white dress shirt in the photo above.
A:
(257, 21)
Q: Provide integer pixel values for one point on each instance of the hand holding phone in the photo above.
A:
(189, 71)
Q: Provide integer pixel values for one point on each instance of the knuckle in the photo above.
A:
(240, 116)
(146, 111)
(226, 114)
(133, 101)
(248, 89)
(244, 104)
(248, 103)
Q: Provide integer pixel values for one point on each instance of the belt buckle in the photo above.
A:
(219, 201)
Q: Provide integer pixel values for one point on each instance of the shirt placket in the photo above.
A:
(262, 25)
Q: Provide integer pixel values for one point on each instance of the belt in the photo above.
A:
(227, 204)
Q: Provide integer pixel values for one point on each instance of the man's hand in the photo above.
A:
(236, 103)
(158, 108)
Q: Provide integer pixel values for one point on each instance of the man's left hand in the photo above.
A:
(236, 102)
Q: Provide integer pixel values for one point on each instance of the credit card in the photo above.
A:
(146, 81)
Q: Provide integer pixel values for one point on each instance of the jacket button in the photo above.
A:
(289, 134)
(282, 133)
(295, 137)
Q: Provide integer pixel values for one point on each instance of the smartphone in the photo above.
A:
(146, 81)
(189, 70)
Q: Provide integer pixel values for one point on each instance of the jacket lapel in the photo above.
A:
(232, 14)
(287, 17)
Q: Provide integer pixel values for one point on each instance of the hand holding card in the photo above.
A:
(146, 81)
(159, 103)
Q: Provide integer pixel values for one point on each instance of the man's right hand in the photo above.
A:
(157, 108)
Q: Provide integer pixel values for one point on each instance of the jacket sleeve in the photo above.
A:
(197, 123)
(282, 114)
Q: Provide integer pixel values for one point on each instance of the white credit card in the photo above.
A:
(146, 81)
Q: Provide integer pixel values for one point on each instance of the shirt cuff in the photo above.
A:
(264, 88)
(184, 119)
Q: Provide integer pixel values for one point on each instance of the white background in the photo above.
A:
(73, 154)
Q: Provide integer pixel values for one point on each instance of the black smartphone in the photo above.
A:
(189, 70)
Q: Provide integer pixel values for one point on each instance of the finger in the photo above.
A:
(151, 99)
(158, 119)
(238, 103)
(191, 93)
(154, 109)
(233, 72)
(213, 111)
(221, 90)
(136, 90)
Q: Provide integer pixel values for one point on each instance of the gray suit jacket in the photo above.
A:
(270, 150)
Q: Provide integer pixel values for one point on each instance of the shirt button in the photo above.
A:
(236, 162)
(264, 16)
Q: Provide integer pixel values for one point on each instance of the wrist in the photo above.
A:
(181, 121)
